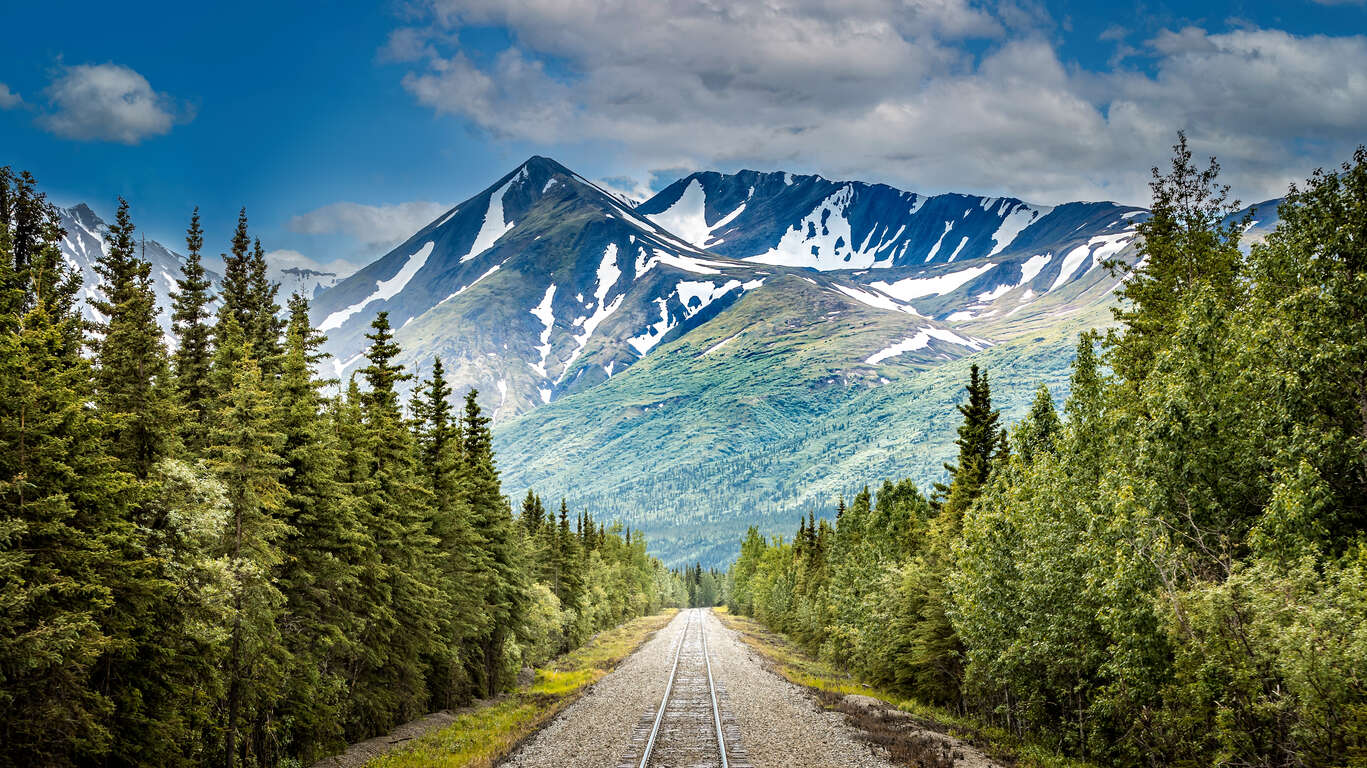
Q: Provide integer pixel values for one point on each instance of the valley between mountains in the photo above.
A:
(737, 350)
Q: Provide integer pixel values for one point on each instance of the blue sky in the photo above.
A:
(341, 126)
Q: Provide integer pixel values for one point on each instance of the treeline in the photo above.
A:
(1174, 570)
(706, 588)
(207, 560)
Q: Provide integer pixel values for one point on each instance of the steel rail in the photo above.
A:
(712, 688)
(664, 700)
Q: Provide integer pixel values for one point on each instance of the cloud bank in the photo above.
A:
(377, 226)
(932, 94)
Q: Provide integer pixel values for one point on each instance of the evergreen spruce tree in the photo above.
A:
(235, 293)
(63, 517)
(244, 451)
(933, 656)
(504, 593)
(459, 553)
(190, 323)
(977, 441)
(1039, 432)
(266, 325)
(390, 686)
(132, 376)
(320, 551)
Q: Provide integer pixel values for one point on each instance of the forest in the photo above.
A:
(211, 555)
(1172, 570)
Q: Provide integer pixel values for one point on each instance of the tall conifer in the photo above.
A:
(190, 322)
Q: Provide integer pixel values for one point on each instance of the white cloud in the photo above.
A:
(888, 90)
(9, 99)
(107, 102)
(372, 225)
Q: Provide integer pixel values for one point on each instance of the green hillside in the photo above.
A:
(769, 411)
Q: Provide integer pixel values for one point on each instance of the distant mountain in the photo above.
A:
(304, 281)
(738, 348)
(811, 221)
(544, 284)
(84, 244)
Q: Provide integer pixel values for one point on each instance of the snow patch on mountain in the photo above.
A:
(1099, 248)
(1032, 266)
(384, 289)
(1013, 224)
(920, 341)
(916, 287)
(693, 296)
(608, 274)
(685, 217)
(934, 249)
(876, 300)
(465, 288)
(821, 240)
(720, 344)
(544, 313)
(494, 226)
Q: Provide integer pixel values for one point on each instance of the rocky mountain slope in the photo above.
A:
(740, 347)
(85, 243)
(544, 285)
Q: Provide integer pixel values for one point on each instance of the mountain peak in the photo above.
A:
(86, 217)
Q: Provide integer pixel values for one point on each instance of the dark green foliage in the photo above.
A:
(190, 323)
(235, 293)
(245, 449)
(132, 378)
(1172, 574)
(60, 501)
(299, 572)
(504, 589)
(320, 551)
(266, 325)
(389, 686)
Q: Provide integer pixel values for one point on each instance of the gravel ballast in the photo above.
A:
(782, 726)
(779, 724)
(596, 730)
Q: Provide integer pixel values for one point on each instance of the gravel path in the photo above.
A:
(595, 731)
(780, 726)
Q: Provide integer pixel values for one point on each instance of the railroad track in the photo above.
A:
(689, 727)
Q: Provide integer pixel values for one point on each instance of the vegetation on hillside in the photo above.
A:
(1174, 570)
(207, 560)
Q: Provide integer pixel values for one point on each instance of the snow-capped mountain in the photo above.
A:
(949, 255)
(811, 221)
(545, 284)
(84, 244)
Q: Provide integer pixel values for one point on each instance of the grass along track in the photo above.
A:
(484, 734)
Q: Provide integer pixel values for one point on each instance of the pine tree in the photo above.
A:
(389, 686)
(1039, 432)
(266, 325)
(978, 442)
(933, 656)
(62, 507)
(320, 553)
(504, 592)
(236, 291)
(193, 355)
(459, 554)
(245, 454)
(132, 376)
